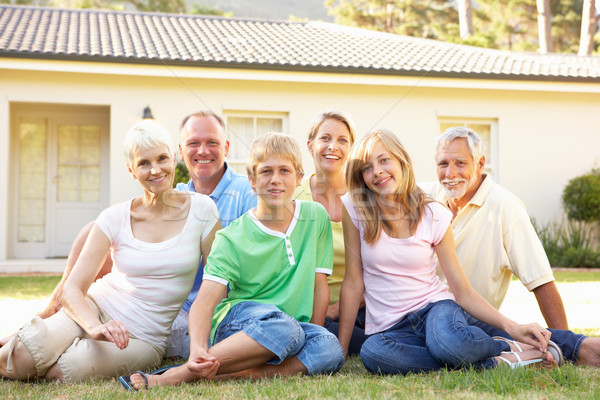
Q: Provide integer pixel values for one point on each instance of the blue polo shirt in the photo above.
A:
(233, 197)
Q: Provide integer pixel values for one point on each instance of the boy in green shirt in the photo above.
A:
(275, 259)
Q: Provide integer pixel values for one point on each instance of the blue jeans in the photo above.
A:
(435, 337)
(358, 333)
(568, 341)
(284, 336)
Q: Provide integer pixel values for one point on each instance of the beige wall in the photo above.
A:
(547, 132)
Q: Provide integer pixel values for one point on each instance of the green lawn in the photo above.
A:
(39, 287)
(27, 287)
(352, 382)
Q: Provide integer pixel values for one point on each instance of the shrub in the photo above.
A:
(568, 245)
(581, 197)
(582, 257)
(181, 173)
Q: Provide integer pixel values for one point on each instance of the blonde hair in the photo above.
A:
(274, 144)
(332, 114)
(410, 198)
(146, 134)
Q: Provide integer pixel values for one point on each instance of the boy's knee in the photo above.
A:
(322, 354)
(278, 332)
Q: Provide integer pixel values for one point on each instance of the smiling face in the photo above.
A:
(274, 182)
(204, 147)
(382, 172)
(458, 173)
(330, 145)
(153, 168)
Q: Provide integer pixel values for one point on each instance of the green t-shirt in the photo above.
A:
(271, 267)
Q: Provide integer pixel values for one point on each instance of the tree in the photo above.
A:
(170, 6)
(425, 18)
(544, 26)
(589, 24)
(508, 24)
(566, 25)
(465, 18)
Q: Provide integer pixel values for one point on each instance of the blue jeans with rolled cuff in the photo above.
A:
(435, 337)
(315, 347)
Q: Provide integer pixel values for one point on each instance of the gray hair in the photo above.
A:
(476, 146)
(145, 135)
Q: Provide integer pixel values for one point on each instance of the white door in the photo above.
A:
(62, 176)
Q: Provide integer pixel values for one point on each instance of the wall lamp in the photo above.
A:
(147, 113)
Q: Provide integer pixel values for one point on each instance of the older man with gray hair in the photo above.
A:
(495, 239)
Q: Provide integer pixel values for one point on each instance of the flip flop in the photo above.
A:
(126, 381)
(160, 371)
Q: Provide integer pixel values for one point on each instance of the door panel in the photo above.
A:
(62, 175)
(74, 197)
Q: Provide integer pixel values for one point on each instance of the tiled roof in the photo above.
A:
(146, 38)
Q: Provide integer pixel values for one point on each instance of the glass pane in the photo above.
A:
(264, 125)
(68, 183)
(31, 234)
(32, 186)
(241, 134)
(31, 217)
(32, 132)
(483, 130)
(32, 211)
(68, 144)
(90, 144)
(90, 184)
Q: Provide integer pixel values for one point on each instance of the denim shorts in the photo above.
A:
(284, 336)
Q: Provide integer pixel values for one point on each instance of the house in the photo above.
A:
(73, 81)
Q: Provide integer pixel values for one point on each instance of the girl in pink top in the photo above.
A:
(393, 233)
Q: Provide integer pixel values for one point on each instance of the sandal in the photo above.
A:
(556, 352)
(126, 381)
(519, 363)
(552, 348)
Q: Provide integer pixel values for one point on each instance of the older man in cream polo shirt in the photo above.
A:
(495, 239)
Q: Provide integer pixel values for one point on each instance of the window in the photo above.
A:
(487, 129)
(243, 127)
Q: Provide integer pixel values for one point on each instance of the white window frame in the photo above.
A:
(239, 164)
(491, 153)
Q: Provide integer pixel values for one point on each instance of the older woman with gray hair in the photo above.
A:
(120, 323)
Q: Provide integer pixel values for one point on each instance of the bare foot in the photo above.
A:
(589, 352)
(171, 377)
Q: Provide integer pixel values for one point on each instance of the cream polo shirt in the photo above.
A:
(494, 239)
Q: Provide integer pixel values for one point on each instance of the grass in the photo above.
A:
(570, 276)
(27, 287)
(352, 382)
(39, 287)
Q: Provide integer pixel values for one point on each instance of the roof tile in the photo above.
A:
(99, 35)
